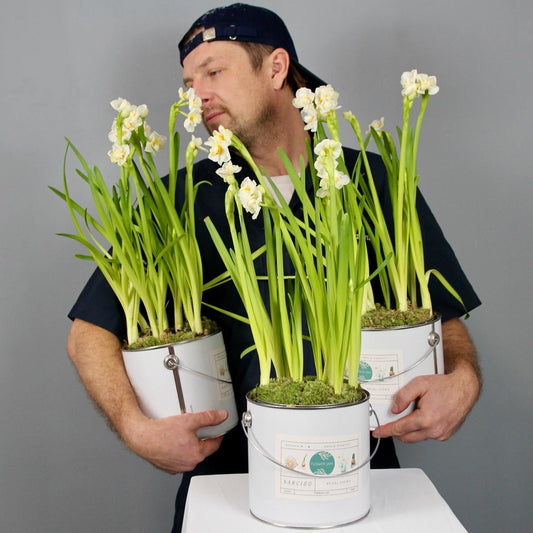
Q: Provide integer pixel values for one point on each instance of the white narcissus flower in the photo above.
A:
(320, 167)
(326, 98)
(133, 120)
(348, 115)
(195, 102)
(328, 148)
(228, 170)
(112, 135)
(142, 110)
(409, 84)
(427, 84)
(219, 143)
(323, 190)
(197, 141)
(188, 95)
(304, 97)
(132, 117)
(377, 125)
(223, 135)
(155, 142)
(119, 154)
(120, 105)
(339, 179)
(251, 195)
(310, 117)
(147, 130)
(194, 117)
(218, 152)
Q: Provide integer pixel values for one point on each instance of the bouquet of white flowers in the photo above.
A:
(143, 246)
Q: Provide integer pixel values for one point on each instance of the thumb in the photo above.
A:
(209, 418)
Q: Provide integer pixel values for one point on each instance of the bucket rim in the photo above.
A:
(365, 398)
(166, 345)
(432, 320)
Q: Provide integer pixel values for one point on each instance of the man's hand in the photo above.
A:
(171, 443)
(443, 401)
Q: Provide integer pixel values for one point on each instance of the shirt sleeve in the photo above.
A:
(98, 305)
(439, 255)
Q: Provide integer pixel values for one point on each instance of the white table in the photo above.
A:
(403, 500)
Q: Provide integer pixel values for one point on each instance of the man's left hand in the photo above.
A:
(442, 401)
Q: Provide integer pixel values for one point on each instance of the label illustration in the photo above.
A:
(221, 372)
(323, 459)
(378, 373)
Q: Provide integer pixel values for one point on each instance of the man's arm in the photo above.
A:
(169, 443)
(443, 401)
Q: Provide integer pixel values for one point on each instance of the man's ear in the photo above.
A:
(279, 61)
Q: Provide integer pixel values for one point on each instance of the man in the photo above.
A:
(241, 62)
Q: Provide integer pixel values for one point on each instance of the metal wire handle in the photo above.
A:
(433, 341)
(172, 362)
(246, 422)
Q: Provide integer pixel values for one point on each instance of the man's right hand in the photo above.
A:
(171, 443)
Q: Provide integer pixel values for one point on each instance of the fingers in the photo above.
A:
(209, 446)
(171, 444)
(409, 393)
(416, 426)
(441, 407)
(410, 428)
(199, 449)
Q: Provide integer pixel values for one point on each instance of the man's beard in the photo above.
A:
(250, 131)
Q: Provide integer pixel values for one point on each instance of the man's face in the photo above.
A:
(233, 94)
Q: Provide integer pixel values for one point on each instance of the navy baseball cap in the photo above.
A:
(245, 23)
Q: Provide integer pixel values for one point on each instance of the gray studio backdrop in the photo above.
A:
(61, 469)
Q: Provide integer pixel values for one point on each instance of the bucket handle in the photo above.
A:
(246, 422)
(172, 362)
(433, 341)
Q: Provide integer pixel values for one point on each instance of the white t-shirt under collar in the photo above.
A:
(285, 186)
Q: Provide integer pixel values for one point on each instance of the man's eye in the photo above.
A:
(213, 73)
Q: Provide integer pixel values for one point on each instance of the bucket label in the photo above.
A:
(323, 459)
(221, 372)
(378, 373)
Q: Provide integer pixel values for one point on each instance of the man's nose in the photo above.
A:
(201, 90)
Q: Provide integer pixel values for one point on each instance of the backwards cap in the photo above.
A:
(245, 23)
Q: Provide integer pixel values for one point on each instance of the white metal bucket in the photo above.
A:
(309, 467)
(391, 357)
(186, 377)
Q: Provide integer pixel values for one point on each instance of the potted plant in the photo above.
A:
(315, 429)
(146, 248)
(400, 337)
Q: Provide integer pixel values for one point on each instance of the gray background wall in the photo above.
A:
(61, 469)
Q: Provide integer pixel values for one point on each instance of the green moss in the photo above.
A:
(310, 391)
(382, 317)
(171, 336)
